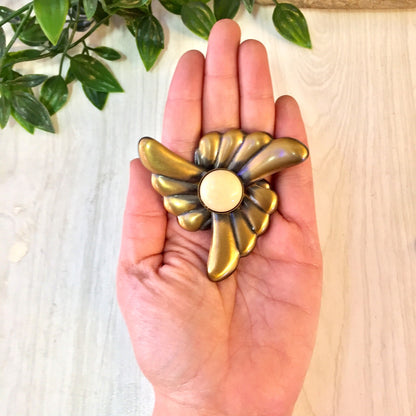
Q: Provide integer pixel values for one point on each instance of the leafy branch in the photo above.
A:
(63, 27)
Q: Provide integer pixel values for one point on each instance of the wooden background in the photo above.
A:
(64, 349)
(349, 4)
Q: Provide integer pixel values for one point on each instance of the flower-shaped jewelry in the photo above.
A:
(224, 189)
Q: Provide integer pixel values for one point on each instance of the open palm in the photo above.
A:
(241, 346)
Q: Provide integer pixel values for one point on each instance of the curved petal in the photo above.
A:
(230, 143)
(207, 151)
(223, 255)
(160, 160)
(194, 220)
(277, 155)
(244, 235)
(257, 218)
(179, 204)
(167, 186)
(253, 142)
(264, 198)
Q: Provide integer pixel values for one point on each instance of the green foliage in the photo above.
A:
(31, 110)
(226, 9)
(198, 18)
(54, 94)
(107, 53)
(248, 4)
(51, 16)
(291, 24)
(96, 98)
(62, 28)
(149, 39)
(93, 74)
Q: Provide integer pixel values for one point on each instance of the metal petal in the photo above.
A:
(167, 186)
(277, 155)
(253, 142)
(264, 198)
(257, 218)
(179, 204)
(230, 143)
(244, 235)
(223, 255)
(160, 160)
(194, 220)
(207, 151)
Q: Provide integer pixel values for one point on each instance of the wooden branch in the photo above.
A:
(350, 4)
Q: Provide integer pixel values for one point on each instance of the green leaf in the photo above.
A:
(28, 81)
(32, 34)
(2, 42)
(113, 6)
(107, 53)
(150, 40)
(51, 15)
(291, 24)
(54, 94)
(226, 9)
(248, 4)
(198, 18)
(97, 98)
(32, 111)
(4, 110)
(69, 76)
(175, 6)
(90, 7)
(26, 54)
(27, 126)
(93, 74)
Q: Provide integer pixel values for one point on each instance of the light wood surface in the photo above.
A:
(349, 4)
(64, 349)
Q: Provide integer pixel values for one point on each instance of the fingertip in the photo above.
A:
(192, 56)
(225, 25)
(289, 122)
(253, 47)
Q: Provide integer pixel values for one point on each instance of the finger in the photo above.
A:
(294, 185)
(256, 91)
(221, 96)
(182, 119)
(144, 224)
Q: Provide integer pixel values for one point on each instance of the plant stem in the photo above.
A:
(16, 13)
(71, 38)
(15, 36)
(90, 32)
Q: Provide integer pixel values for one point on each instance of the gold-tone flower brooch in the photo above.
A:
(224, 188)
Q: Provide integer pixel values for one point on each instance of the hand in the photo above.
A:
(241, 346)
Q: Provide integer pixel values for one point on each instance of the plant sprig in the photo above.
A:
(63, 27)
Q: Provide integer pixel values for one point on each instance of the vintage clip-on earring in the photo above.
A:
(224, 188)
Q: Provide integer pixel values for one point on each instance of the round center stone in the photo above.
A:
(221, 190)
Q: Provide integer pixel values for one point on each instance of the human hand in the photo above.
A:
(241, 346)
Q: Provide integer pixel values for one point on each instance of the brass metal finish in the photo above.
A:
(251, 157)
(257, 218)
(230, 142)
(245, 236)
(179, 204)
(167, 186)
(277, 155)
(224, 255)
(160, 160)
(251, 145)
(264, 198)
(208, 149)
(194, 220)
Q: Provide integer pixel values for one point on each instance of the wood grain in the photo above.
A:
(64, 349)
(348, 4)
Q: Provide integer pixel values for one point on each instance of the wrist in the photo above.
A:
(165, 406)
